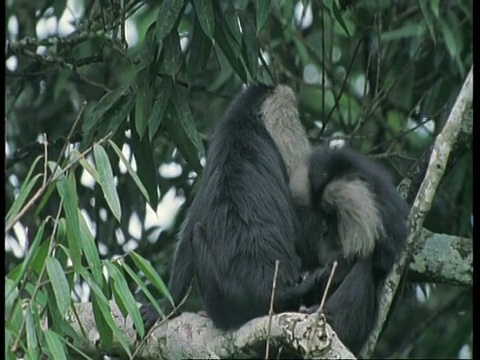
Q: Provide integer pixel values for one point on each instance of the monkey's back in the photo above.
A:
(245, 206)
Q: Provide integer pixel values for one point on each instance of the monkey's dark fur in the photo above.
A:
(240, 222)
(354, 216)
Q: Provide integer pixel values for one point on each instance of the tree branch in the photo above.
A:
(192, 336)
(441, 258)
(457, 120)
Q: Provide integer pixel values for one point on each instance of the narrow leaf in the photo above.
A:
(141, 284)
(55, 345)
(99, 109)
(199, 51)
(32, 253)
(106, 180)
(250, 45)
(205, 15)
(89, 247)
(118, 114)
(226, 44)
(27, 186)
(104, 308)
(171, 48)
(450, 39)
(11, 296)
(32, 341)
(168, 14)
(338, 16)
(99, 314)
(162, 99)
(263, 9)
(87, 166)
(150, 273)
(404, 32)
(181, 129)
(60, 286)
(130, 170)
(146, 167)
(125, 295)
(427, 16)
(143, 101)
(67, 191)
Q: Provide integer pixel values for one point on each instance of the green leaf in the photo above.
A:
(55, 346)
(205, 16)
(68, 192)
(435, 6)
(183, 132)
(86, 165)
(171, 51)
(106, 180)
(32, 252)
(130, 170)
(60, 286)
(141, 285)
(61, 83)
(118, 114)
(338, 16)
(32, 341)
(93, 119)
(99, 314)
(227, 39)
(250, 45)
(103, 309)
(11, 295)
(90, 250)
(168, 14)
(201, 47)
(59, 8)
(143, 101)
(427, 15)
(37, 262)
(150, 273)
(263, 10)
(146, 167)
(8, 344)
(228, 16)
(125, 296)
(27, 186)
(451, 40)
(162, 99)
(404, 32)
(224, 42)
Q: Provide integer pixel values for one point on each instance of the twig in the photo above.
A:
(270, 311)
(327, 287)
(45, 165)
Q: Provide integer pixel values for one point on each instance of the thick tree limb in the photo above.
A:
(440, 258)
(193, 336)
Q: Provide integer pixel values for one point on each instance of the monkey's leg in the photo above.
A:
(351, 309)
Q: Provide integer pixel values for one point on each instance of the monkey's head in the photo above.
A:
(346, 198)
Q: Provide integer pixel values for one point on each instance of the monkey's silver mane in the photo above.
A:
(279, 113)
(359, 223)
